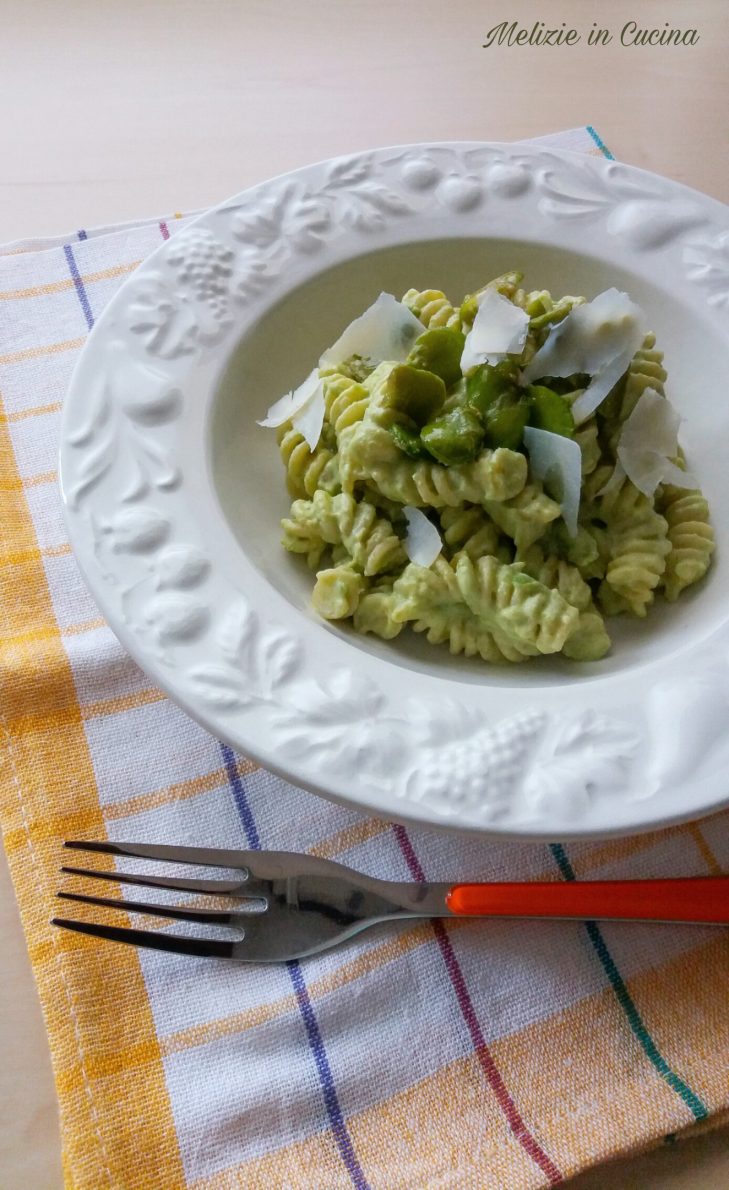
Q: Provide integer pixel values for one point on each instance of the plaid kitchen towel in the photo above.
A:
(466, 1055)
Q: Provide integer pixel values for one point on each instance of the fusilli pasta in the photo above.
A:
(690, 536)
(515, 578)
(432, 307)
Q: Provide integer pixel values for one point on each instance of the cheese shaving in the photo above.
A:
(599, 338)
(386, 331)
(287, 407)
(310, 417)
(422, 543)
(557, 461)
(499, 329)
(648, 442)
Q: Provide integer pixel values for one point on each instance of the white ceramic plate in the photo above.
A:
(173, 495)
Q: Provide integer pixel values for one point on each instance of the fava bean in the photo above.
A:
(489, 382)
(415, 392)
(504, 422)
(408, 442)
(456, 437)
(439, 350)
(550, 411)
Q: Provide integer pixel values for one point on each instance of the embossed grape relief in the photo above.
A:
(442, 758)
(529, 764)
(196, 311)
(296, 218)
(362, 193)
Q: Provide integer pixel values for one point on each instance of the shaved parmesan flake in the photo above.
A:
(310, 417)
(499, 329)
(648, 442)
(422, 543)
(652, 425)
(386, 331)
(675, 475)
(285, 408)
(602, 382)
(600, 338)
(557, 461)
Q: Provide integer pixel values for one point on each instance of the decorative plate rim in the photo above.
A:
(282, 691)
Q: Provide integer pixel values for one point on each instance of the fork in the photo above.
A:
(289, 906)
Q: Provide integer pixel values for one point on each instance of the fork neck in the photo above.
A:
(420, 900)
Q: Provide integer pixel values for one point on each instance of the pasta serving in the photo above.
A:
(501, 475)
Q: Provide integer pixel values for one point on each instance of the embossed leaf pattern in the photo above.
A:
(136, 486)
(253, 279)
(236, 631)
(260, 222)
(636, 212)
(168, 328)
(260, 228)
(93, 467)
(337, 725)
(382, 757)
(163, 473)
(383, 199)
(130, 400)
(580, 190)
(218, 687)
(280, 657)
(570, 200)
(363, 218)
(579, 755)
(707, 264)
(349, 171)
(343, 748)
(369, 206)
(344, 698)
(455, 721)
(306, 223)
(97, 414)
(354, 694)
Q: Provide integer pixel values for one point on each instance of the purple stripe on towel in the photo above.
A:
(83, 297)
(515, 1120)
(311, 1025)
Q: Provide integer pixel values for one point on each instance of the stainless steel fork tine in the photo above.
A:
(205, 916)
(259, 865)
(211, 857)
(224, 888)
(204, 948)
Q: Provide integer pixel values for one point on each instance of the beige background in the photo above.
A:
(125, 108)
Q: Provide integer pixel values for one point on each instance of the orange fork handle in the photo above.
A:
(695, 899)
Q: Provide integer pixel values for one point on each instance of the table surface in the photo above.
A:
(143, 107)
